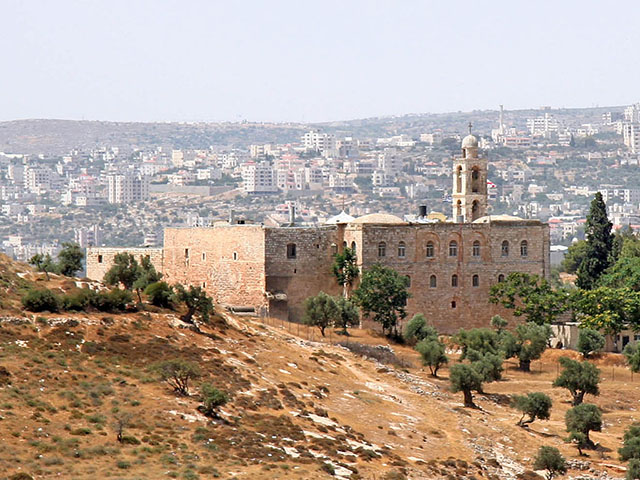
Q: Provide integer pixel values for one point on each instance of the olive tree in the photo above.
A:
(533, 405)
(579, 378)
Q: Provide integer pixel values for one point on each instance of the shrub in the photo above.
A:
(115, 300)
(160, 294)
(590, 341)
(212, 399)
(632, 354)
(534, 405)
(177, 373)
(550, 459)
(418, 330)
(78, 301)
(633, 471)
(41, 301)
(631, 443)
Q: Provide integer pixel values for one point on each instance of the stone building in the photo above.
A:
(451, 265)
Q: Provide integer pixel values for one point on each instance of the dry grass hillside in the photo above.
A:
(298, 410)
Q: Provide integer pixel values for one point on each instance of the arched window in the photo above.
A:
(334, 249)
(524, 248)
(459, 180)
(453, 248)
(454, 280)
(475, 281)
(291, 250)
(382, 249)
(476, 249)
(475, 175)
(475, 210)
(408, 281)
(433, 281)
(505, 249)
(402, 250)
(459, 209)
(353, 247)
(430, 250)
(501, 278)
(235, 255)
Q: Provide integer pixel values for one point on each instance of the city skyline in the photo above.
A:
(282, 61)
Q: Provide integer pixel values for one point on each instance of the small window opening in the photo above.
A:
(291, 250)
(99, 258)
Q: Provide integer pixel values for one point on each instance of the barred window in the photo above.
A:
(505, 249)
(524, 248)
(382, 249)
(402, 250)
(430, 250)
(476, 249)
(453, 248)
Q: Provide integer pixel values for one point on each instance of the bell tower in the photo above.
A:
(469, 182)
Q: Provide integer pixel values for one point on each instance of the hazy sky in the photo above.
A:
(311, 61)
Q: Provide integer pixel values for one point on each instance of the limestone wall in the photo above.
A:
(100, 259)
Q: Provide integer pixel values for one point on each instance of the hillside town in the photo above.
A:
(544, 164)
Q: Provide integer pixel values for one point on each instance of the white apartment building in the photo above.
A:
(325, 143)
(127, 188)
(632, 113)
(259, 178)
(631, 136)
(38, 179)
(542, 125)
(87, 236)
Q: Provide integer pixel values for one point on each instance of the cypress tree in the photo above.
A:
(599, 245)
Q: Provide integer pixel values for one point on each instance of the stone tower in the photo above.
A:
(469, 182)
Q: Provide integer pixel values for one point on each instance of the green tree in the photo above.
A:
(433, 354)
(550, 459)
(590, 341)
(574, 256)
(533, 405)
(177, 373)
(383, 294)
(481, 340)
(125, 270)
(345, 269)
(581, 420)
(417, 329)
(530, 296)
(632, 354)
(499, 323)
(212, 399)
(320, 311)
(625, 273)
(630, 443)
(196, 300)
(579, 378)
(633, 470)
(43, 263)
(348, 314)
(70, 259)
(465, 379)
(607, 310)
(160, 294)
(146, 275)
(599, 245)
(488, 365)
(528, 343)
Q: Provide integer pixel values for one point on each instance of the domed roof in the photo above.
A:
(342, 217)
(380, 218)
(470, 141)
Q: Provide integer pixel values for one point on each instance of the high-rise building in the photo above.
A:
(259, 178)
(128, 188)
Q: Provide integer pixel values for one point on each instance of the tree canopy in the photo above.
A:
(345, 269)
(320, 311)
(599, 245)
(579, 378)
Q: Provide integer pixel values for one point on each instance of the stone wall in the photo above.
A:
(100, 259)
(226, 260)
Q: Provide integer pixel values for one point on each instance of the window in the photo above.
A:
(501, 278)
(204, 256)
(353, 247)
(524, 248)
(454, 280)
(433, 281)
(99, 258)
(402, 250)
(334, 249)
(430, 250)
(204, 284)
(453, 304)
(476, 249)
(505, 249)
(235, 255)
(382, 249)
(459, 180)
(408, 281)
(453, 248)
(186, 253)
(291, 250)
(475, 281)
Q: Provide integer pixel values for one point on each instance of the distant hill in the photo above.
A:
(61, 136)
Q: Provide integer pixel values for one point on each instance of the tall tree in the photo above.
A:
(70, 259)
(125, 270)
(599, 244)
(320, 311)
(345, 269)
(383, 293)
(530, 296)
